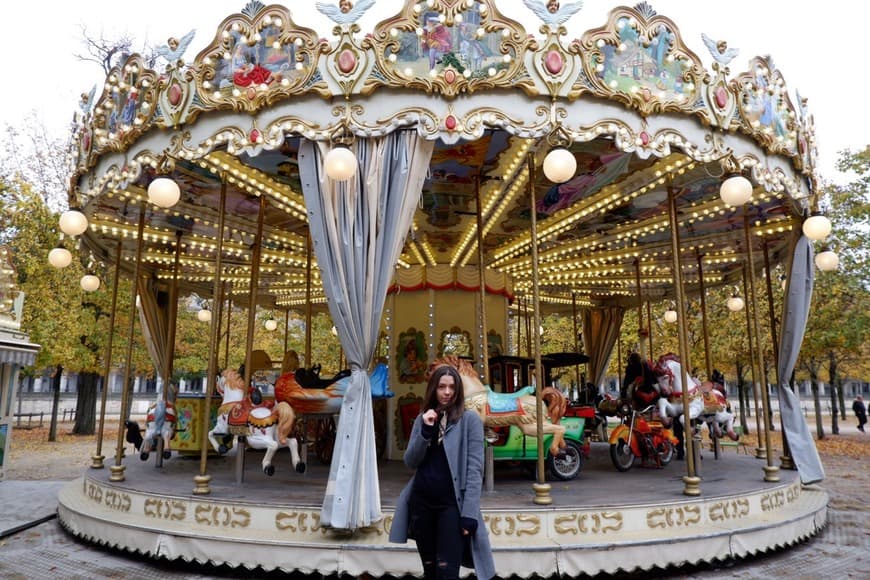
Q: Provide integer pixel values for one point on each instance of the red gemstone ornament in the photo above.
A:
(254, 136)
(721, 97)
(644, 137)
(346, 61)
(449, 76)
(175, 94)
(553, 62)
(450, 122)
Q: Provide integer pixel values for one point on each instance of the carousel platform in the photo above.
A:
(602, 522)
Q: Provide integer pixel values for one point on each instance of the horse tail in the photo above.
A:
(286, 419)
(557, 404)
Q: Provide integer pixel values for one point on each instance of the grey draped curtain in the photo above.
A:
(358, 228)
(794, 322)
(154, 318)
(600, 331)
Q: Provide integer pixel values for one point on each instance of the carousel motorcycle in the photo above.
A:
(638, 436)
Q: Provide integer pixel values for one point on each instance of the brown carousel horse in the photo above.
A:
(503, 409)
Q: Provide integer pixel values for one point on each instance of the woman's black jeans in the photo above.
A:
(437, 532)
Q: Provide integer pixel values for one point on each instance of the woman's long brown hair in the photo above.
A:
(430, 401)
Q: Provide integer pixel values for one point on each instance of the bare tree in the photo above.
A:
(105, 52)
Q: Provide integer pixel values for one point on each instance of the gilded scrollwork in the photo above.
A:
(221, 516)
(765, 106)
(117, 500)
(301, 521)
(124, 110)
(729, 510)
(258, 59)
(165, 509)
(672, 517)
(773, 500)
(449, 48)
(589, 523)
(509, 525)
(641, 60)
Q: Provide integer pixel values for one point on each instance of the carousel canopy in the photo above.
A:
(640, 116)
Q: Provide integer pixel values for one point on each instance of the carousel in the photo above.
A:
(437, 183)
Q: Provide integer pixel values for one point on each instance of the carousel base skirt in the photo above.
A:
(602, 522)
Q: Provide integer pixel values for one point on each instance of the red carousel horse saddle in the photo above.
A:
(242, 414)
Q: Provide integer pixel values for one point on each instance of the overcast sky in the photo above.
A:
(814, 49)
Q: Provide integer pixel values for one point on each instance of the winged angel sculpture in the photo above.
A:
(346, 12)
(551, 12)
(719, 50)
(174, 48)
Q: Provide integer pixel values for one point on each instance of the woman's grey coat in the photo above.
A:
(463, 445)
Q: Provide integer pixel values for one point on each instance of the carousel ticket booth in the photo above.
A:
(414, 178)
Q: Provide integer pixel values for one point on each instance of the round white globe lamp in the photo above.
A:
(59, 257)
(164, 192)
(816, 227)
(90, 283)
(73, 222)
(560, 165)
(735, 303)
(827, 261)
(204, 315)
(735, 191)
(670, 316)
(340, 163)
(271, 324)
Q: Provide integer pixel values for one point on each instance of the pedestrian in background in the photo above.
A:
(440, 507)
(860, 412)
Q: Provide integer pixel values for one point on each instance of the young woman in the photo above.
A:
(440, 506)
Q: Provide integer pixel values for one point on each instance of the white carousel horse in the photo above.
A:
(705, 401)
(160, 422)
(262, 426)
(501, 409)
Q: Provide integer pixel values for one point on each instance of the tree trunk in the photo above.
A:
(55, 401)
(835, 394)
(86, 404)
(817, 404)
(742, 395)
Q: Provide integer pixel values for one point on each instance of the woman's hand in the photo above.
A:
(430, 416)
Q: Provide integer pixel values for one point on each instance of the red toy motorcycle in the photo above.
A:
(639, 436)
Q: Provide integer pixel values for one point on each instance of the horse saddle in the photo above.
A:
(244, 413)
(507, 402)
(169, 416)
(712, 404)
(310, 378)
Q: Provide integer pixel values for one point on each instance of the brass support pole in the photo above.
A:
(692, 481)
(760, 450)
(580, 386)
(118, 469)
(98, 457)
(229, 299)
(308, 361)
(201, 481)
(771, 471)
(786, 461)
(528, 331)
(481, 267)
(286, 331)
(252, 316)
(541, 487)
(641, 347)
(649, 325)
(173, 315)
(253, 288)
(703, 292)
